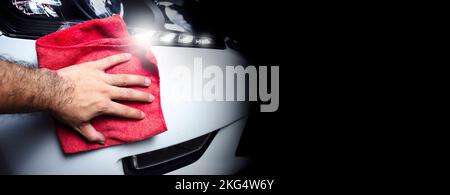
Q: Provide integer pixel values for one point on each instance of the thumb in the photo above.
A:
(88, 131)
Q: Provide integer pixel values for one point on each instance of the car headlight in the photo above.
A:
(101, 8)
(35, 18)
(172, 38)
(38, 7)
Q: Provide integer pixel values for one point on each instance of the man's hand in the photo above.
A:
(91, 91)
(74, 94)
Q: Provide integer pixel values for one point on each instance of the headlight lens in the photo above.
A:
(164, 38)
(102, 8)
(185, 39)
(38, 7)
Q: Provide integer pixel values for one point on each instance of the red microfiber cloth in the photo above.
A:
(94, 40)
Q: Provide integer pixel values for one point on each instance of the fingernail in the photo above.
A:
(142, 114)
(151, 97)
(147, 81)
(102, 142)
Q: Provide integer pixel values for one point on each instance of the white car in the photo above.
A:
(202, 136)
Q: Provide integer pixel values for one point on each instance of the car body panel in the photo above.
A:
(28, 143)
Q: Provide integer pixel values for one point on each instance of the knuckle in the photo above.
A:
(104, 90)
(121, 56)
(108, 60)
(79, 117)
(123, 79)
(108, 79)
(102, 106)
(133, 112)
(125, 111)
(84, 117)
(128, 93)
(112, 58)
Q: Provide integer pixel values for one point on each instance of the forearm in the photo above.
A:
(24, 89)
(74, 94)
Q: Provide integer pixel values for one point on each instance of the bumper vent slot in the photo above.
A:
(167, 159)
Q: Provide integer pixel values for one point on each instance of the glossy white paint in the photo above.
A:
(28, 143)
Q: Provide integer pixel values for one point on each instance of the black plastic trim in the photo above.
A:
(169, 165)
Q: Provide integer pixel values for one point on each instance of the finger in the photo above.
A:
(110, 61)
(126, 94)
(121, 110)
(88, 131)
(128, 80)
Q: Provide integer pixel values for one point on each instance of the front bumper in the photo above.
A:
(28, 144)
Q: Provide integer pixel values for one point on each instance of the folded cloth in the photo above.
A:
(93, 40)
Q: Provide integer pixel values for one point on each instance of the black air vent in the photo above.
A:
(167, 159)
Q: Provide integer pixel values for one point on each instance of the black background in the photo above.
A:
(265, 31)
